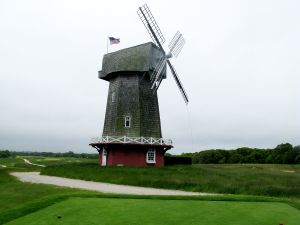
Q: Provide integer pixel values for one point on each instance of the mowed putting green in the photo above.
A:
(113, 211)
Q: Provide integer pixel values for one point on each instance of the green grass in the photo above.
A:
(16, 197)
(14, 193)
(22, 200)
(18, 161)
(15, 163)
(48, 161)
(161, 212)
(265, 180)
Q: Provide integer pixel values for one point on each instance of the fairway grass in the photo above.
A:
(25, 203)
(18, 198)
(110, 211)
(48, 161)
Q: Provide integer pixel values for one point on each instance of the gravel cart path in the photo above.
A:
(35, 177)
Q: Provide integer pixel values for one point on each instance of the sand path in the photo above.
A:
(28, 162)
(35, 177)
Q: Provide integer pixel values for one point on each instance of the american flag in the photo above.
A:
(113, 40)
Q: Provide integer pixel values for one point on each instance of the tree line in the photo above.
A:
(7, 153)
(281, 154)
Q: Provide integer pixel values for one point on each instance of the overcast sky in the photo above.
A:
(240, 67)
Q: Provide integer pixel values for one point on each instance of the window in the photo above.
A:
(127, 121)
(150, 156)
(113, 97)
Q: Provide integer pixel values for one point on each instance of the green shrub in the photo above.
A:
(4, 154)
(177, 160)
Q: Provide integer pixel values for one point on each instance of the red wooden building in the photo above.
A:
(128, 151)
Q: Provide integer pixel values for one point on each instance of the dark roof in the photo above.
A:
(139, 58)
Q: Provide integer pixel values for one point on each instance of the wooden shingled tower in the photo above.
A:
(132, 131)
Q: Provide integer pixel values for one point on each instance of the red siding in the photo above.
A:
(100, 158)
(130, 155)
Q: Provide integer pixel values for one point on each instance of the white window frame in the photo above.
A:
(151, 156)
(127, 119)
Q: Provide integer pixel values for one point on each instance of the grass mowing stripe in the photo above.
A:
(156, 211)
(34, 206)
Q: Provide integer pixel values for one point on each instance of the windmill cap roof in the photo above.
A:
(140, 58)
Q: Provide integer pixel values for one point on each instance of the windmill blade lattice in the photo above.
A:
(176, 44)
(151, 25)
(157, 75)
(158, 69)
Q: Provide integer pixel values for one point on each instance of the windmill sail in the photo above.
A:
(175, 47)
(178, 82)
(176, 44)
(157, 75)
(151, 25)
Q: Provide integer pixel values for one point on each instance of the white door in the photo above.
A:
(104, 156)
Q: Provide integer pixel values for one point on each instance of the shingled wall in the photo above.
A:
(128, 71)
(132, 97)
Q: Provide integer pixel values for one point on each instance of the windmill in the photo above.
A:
(132, 130)
(175, 47)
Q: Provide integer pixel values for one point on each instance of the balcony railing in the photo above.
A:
(132, 140)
